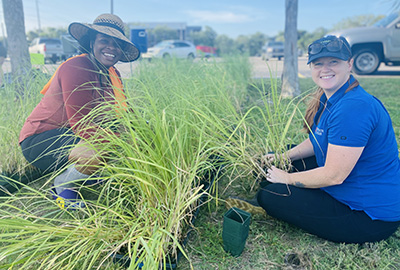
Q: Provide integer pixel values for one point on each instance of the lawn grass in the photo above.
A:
(271, 242)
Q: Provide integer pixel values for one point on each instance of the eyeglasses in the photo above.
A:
(334, 45)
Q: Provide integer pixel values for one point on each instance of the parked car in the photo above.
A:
(273, 49)
(70, 46)
(374, 45)
(206, 51)
(51, 48)
(171, 48)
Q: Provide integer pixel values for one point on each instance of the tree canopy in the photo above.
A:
(246, 44)
(50, 32)
(357, 21)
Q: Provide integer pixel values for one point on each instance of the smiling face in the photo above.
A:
(330, 73)
(107, 50)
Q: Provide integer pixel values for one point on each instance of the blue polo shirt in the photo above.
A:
(358, 119)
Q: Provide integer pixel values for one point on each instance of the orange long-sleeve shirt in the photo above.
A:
(74, 91)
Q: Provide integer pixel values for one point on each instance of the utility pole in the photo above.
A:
(3, 32)
(38, 16)
(112, 6)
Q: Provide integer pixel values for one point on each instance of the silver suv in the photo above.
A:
(374, 45)
(51, 48)
(273, 49)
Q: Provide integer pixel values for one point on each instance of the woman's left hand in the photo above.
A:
(275, 175)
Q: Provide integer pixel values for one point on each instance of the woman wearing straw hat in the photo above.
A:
(51, 136)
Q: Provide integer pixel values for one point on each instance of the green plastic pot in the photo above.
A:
(235, 230)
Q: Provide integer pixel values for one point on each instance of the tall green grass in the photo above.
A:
(13, 112)
(159, 154)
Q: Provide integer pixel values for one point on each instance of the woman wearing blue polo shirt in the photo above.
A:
(352, 195)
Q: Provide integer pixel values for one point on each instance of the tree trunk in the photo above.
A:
(290, 80)
(17, 42)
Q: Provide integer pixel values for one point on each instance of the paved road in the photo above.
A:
(261, 69)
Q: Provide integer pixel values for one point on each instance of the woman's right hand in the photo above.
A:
(275, 159)
(268, 158)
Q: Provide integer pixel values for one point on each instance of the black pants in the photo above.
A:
(320, 214)
(49, 150)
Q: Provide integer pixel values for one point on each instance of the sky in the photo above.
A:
(229, 17)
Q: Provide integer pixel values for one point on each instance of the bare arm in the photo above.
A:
(303, 150)
(340, 161)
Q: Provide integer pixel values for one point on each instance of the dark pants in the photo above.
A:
(318, 213)
(49, 150)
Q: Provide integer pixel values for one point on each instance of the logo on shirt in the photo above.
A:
(319, 131)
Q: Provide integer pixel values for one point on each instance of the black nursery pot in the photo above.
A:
(11, 182)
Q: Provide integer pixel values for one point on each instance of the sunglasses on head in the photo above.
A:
(334, 45)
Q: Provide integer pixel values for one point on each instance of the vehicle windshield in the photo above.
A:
(387, 20)
(163, 44)
(50, 41)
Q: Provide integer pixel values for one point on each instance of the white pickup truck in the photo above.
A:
(374, 45)
(51, 48)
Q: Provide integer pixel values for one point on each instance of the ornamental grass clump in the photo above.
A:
(13, 112)
(184, 122)
(157, 153)
(273, 123)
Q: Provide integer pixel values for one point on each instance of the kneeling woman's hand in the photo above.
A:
(275, 175)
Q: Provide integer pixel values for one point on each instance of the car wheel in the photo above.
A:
(53, 60)
(366, 61)
(166, 56)
(190, 56)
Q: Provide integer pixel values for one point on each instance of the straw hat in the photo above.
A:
(107, 24)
